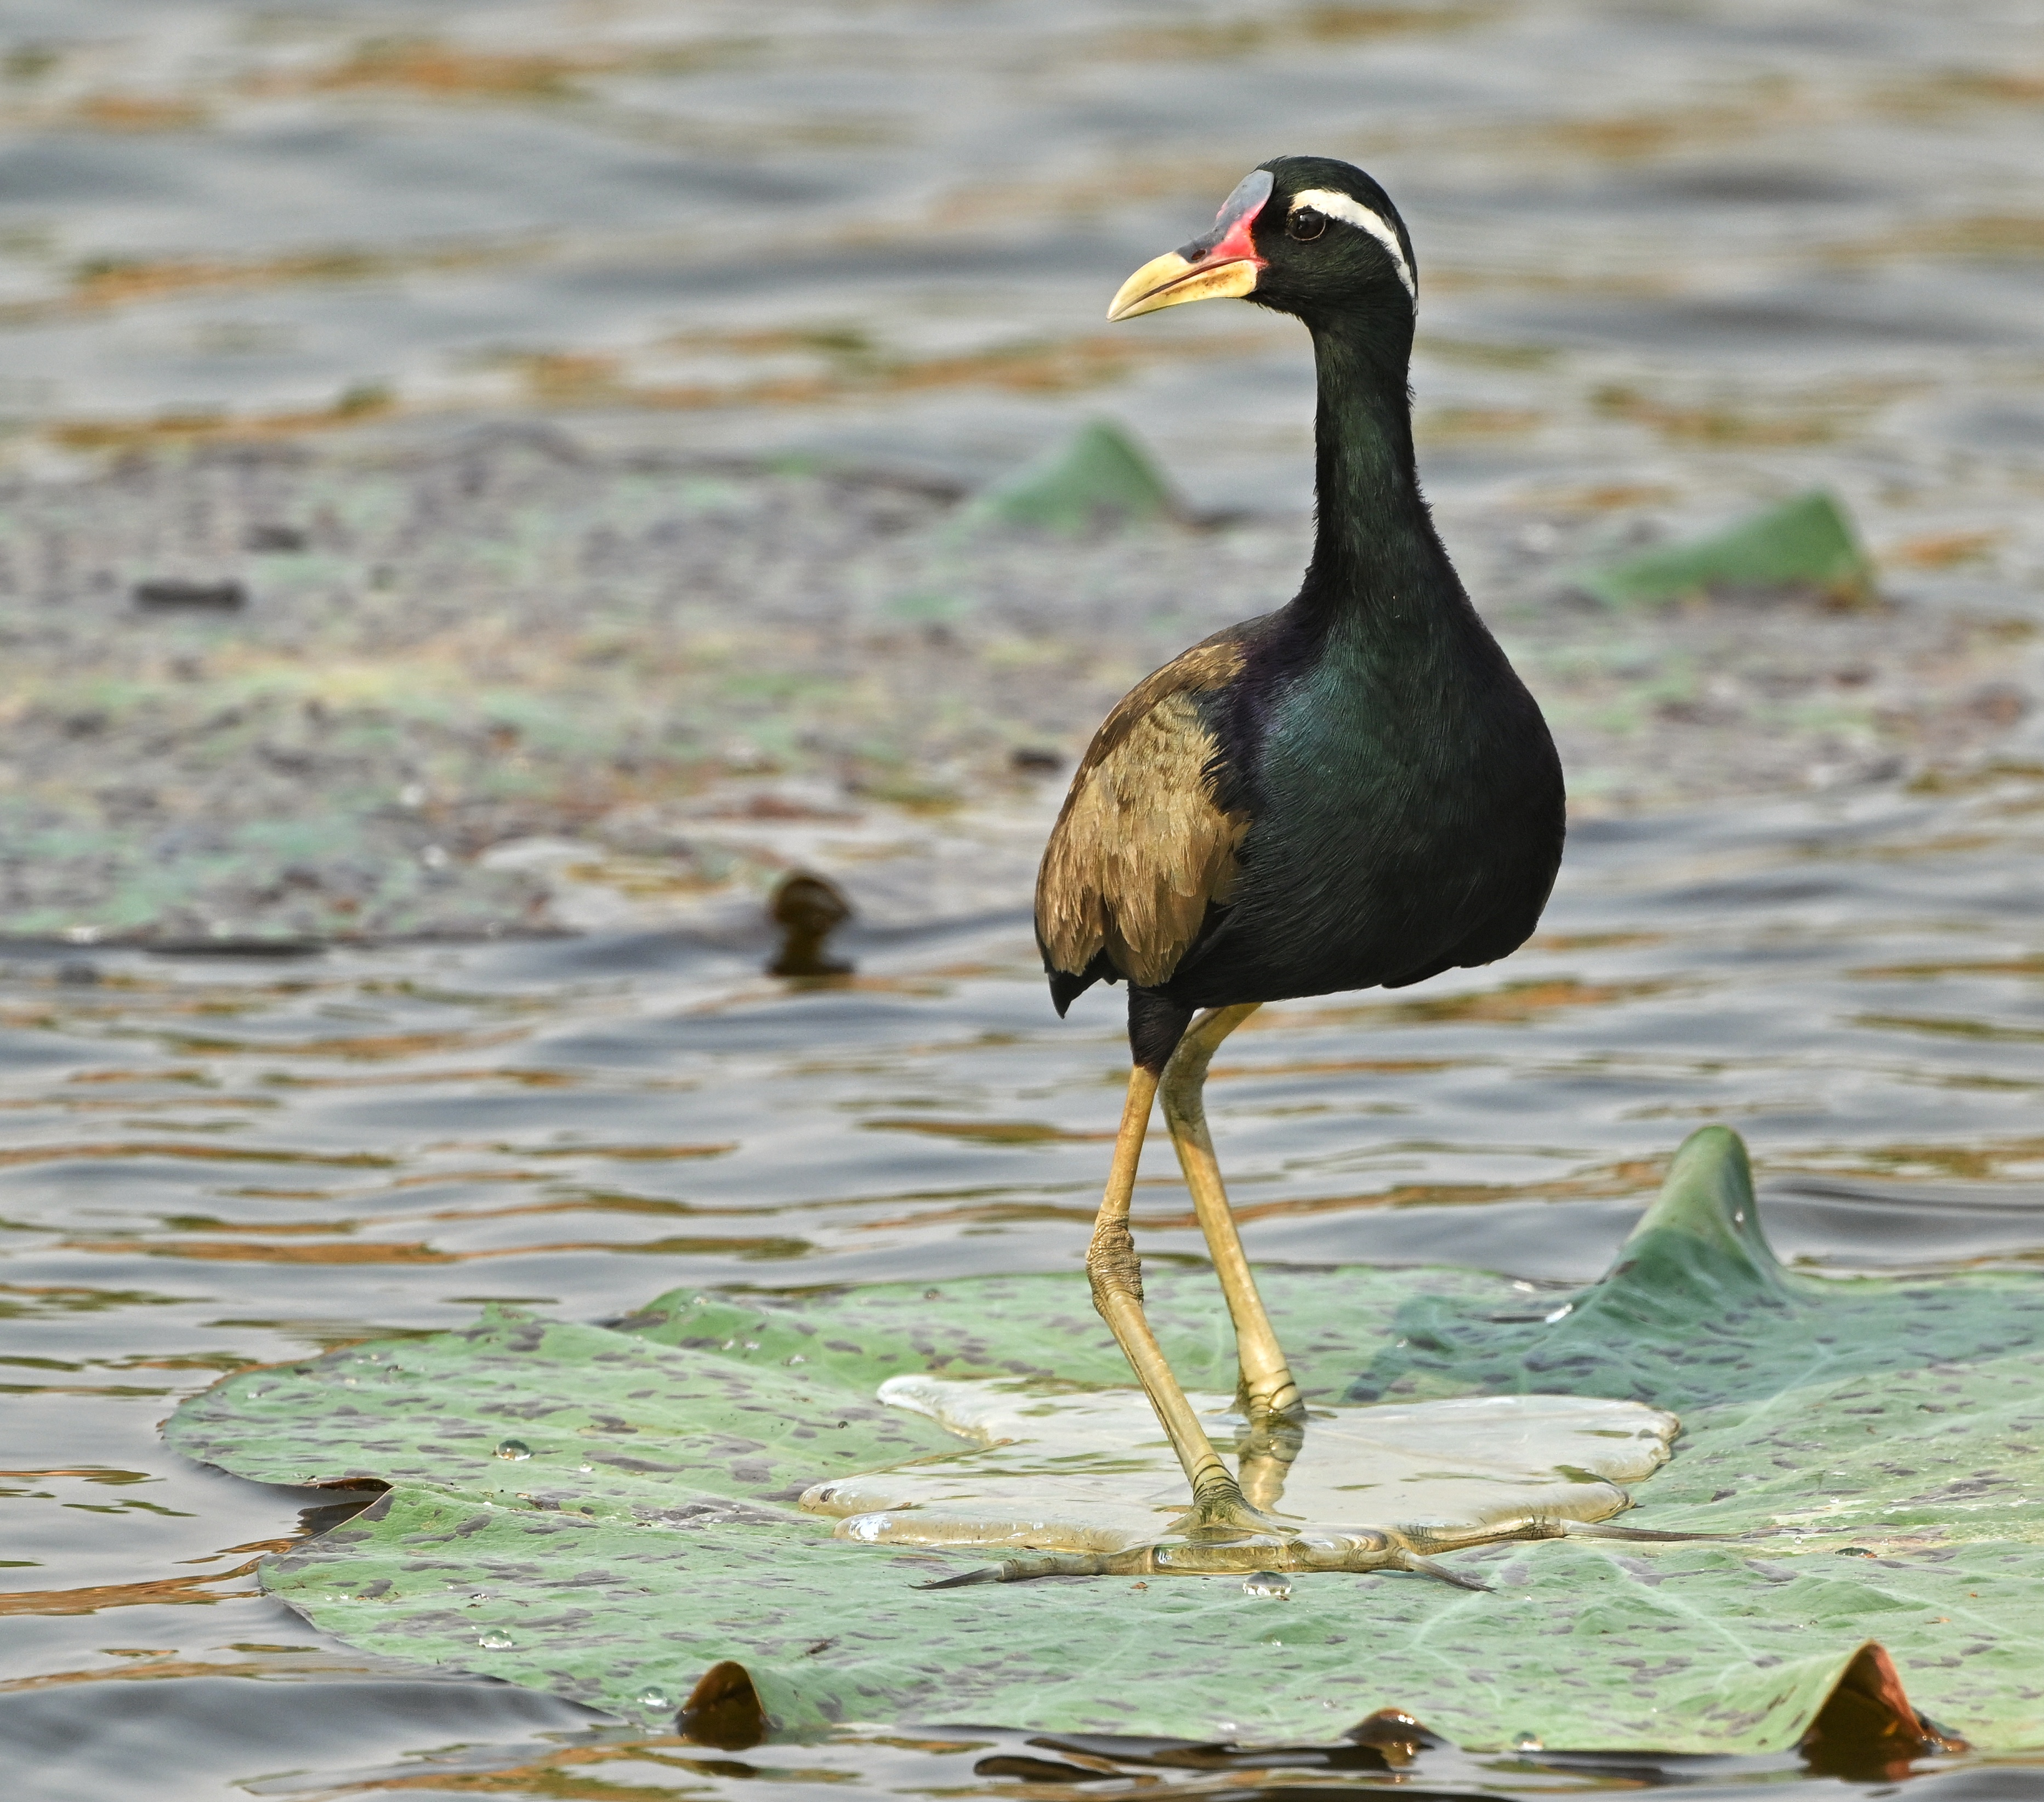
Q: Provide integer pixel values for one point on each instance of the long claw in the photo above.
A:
(986, 1574)
(1426, 1567)
(1022, 1569)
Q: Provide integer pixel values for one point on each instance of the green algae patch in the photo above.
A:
(608, 1512)
(1806, 544)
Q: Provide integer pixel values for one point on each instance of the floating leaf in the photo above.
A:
(1099, 476)
(1806, 543)
(1879, 1444)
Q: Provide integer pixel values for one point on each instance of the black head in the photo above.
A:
(1331, 242)
(1304, 235)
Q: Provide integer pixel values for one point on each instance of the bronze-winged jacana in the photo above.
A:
(1354, 791)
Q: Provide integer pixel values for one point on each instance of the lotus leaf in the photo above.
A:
(1806, 543)
(606, 1511)
(1101, 475)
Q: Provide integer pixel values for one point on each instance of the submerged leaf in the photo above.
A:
(1806, 543)
(1879, 1444)
(1100, 475)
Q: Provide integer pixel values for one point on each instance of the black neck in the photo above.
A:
(1375, 550)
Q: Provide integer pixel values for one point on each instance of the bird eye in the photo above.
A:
(1306, 224)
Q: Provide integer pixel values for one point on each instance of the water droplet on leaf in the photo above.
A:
(496, 1639)
(654, 1696)
(513, 1449)
(1268, 1583)
(1526, 1743)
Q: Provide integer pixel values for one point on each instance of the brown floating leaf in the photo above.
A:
(1867, 1731)
(723, 1710)
(807, 909)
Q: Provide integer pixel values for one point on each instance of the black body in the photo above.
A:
(1404, 800)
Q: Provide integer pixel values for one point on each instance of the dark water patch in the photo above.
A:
(174, 1734)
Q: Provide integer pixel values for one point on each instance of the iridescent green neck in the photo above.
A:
(1375, 551)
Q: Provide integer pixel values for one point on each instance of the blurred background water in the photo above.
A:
(1781, 237)
(1674, 258)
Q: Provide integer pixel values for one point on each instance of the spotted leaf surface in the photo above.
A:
(605, 1512)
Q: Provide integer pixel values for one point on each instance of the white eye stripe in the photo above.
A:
(1352, 211)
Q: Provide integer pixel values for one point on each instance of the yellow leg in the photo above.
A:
(1116, 1275)
(1267, 1390)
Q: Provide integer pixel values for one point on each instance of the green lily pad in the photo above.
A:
(1806, 544)
(1100, 475)
(608, 1512)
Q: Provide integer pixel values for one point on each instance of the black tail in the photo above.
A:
(1066, 987)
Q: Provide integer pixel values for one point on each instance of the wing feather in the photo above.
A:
(1141, 847)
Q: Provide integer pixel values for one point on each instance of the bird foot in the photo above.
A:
(1224, 1517)
(1299, 1551)
(1245, 1555)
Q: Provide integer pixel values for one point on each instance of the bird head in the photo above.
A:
(1304, 235)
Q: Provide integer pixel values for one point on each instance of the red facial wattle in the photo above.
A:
(1231, 240)
(1238, 246)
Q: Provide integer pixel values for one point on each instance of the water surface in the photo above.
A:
(1675, 259)
(217, 1162)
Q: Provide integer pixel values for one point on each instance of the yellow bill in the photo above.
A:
(1223, 265)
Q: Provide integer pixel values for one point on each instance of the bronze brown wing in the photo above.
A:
(1141, 847)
